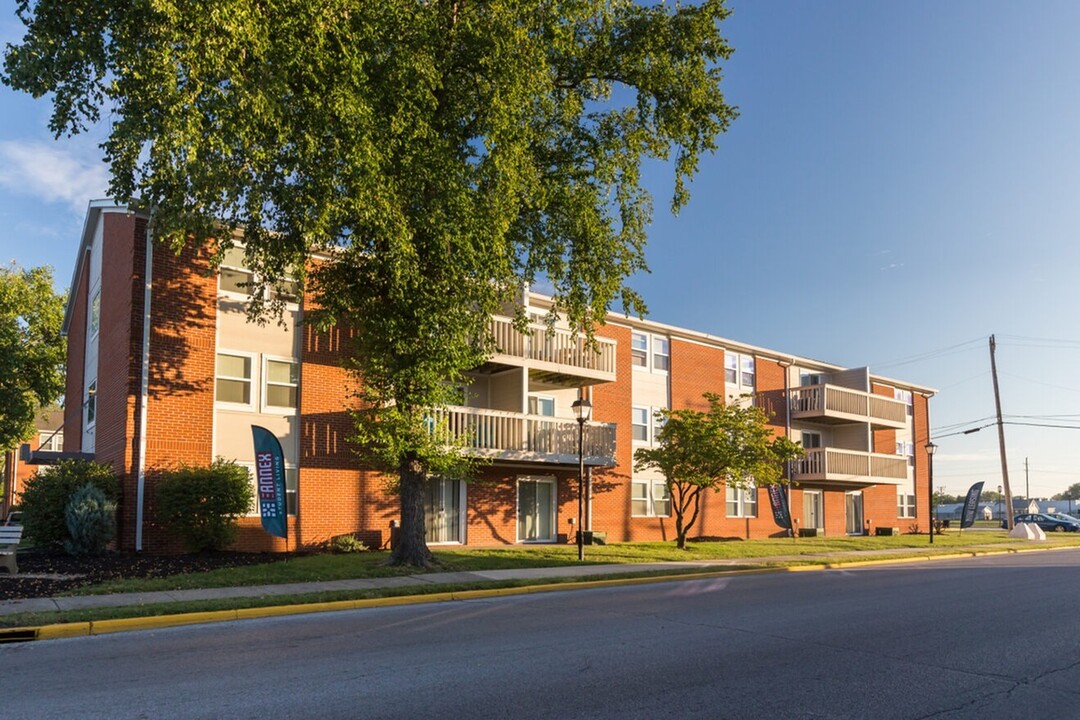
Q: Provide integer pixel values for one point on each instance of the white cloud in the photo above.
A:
(51, 173)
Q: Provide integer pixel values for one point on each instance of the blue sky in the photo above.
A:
(902, 182)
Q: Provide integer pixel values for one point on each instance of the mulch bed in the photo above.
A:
(44, 574)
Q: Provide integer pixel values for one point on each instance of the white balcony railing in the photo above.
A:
(556, 346)
(850, 465)
(841, 403)
(501, 434)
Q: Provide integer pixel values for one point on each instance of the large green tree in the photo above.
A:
(442, 153)
(725, 446)
(31, 349)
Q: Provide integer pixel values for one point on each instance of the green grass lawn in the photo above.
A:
(314, 568)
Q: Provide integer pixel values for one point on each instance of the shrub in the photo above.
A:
(204, 504)
(347, 544)
(90, 522)
(46, 495)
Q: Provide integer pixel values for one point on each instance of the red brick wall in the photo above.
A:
(695, 370)
(180, 409)
(884, 440)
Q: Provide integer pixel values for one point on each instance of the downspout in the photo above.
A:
(144, 387)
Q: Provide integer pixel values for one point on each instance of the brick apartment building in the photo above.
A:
(163, 369)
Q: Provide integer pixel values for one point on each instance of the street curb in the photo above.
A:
(156, 622)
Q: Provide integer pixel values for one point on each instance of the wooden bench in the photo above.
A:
(10, 535)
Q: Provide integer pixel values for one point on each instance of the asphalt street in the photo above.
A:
(991, 637)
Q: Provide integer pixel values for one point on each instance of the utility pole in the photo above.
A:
(1027, 482)
(1001, 439)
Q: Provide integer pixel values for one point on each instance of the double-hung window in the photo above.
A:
(649, 498)
(905, 505)
(95, 314)
(739, 370)
(234, 379)
(661, 354)
(281, 380)
(639, 350)
(905, 397)
(640, 422)
(650, 352)
(234, 277)
(741, 502)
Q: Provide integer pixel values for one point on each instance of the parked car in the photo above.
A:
(1059, 522)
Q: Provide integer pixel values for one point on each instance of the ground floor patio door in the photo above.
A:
(853, 501)
(813, 510)
(444, 509)
(536, 509)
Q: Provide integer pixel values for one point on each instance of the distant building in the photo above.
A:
(48, 437)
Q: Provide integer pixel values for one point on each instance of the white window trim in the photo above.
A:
(554, 515)
(648, 424)
(650, 352)
(742, 501)
(651, 497)
(255, 380)
(903, 509)
(738, 383)
(91, 401)
(266, 408)
(245, 296)
(94, 318)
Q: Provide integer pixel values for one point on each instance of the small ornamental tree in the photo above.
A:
(203, 505)
(45, 497)
(91, 521)
(726, 446)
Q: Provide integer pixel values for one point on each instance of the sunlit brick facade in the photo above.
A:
(164, 368)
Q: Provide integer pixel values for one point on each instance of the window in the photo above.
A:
(282, 380)
(51, 441)
(905, 505)
(739, 370)
(741, 503)
(906, 448)
(659, 360)
(731, 368)
(747, 378)
(807, 378)
(91, 404)
(95, 314)
(649, 498)
(233, 379)
(639, 350)
(640, 423)
(234, 276)
(904, 396)
(661, 354)
(540, 405)
(811, 440)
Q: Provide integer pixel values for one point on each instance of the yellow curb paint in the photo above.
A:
(100, 627)
(53, 632)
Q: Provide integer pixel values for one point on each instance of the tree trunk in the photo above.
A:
(411, 548)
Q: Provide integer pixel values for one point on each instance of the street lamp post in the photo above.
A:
(582, 408)
(930, 448)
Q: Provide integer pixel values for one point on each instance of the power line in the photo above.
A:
(928, 354)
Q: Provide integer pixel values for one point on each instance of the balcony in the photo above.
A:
(834, 405)
(850, 466)
(502, 435)
(553, 356)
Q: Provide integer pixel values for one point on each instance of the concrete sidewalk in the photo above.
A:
(78, 602)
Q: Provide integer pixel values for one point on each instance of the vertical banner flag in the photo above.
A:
(270, 481)
(971, 504)
(780, 513)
